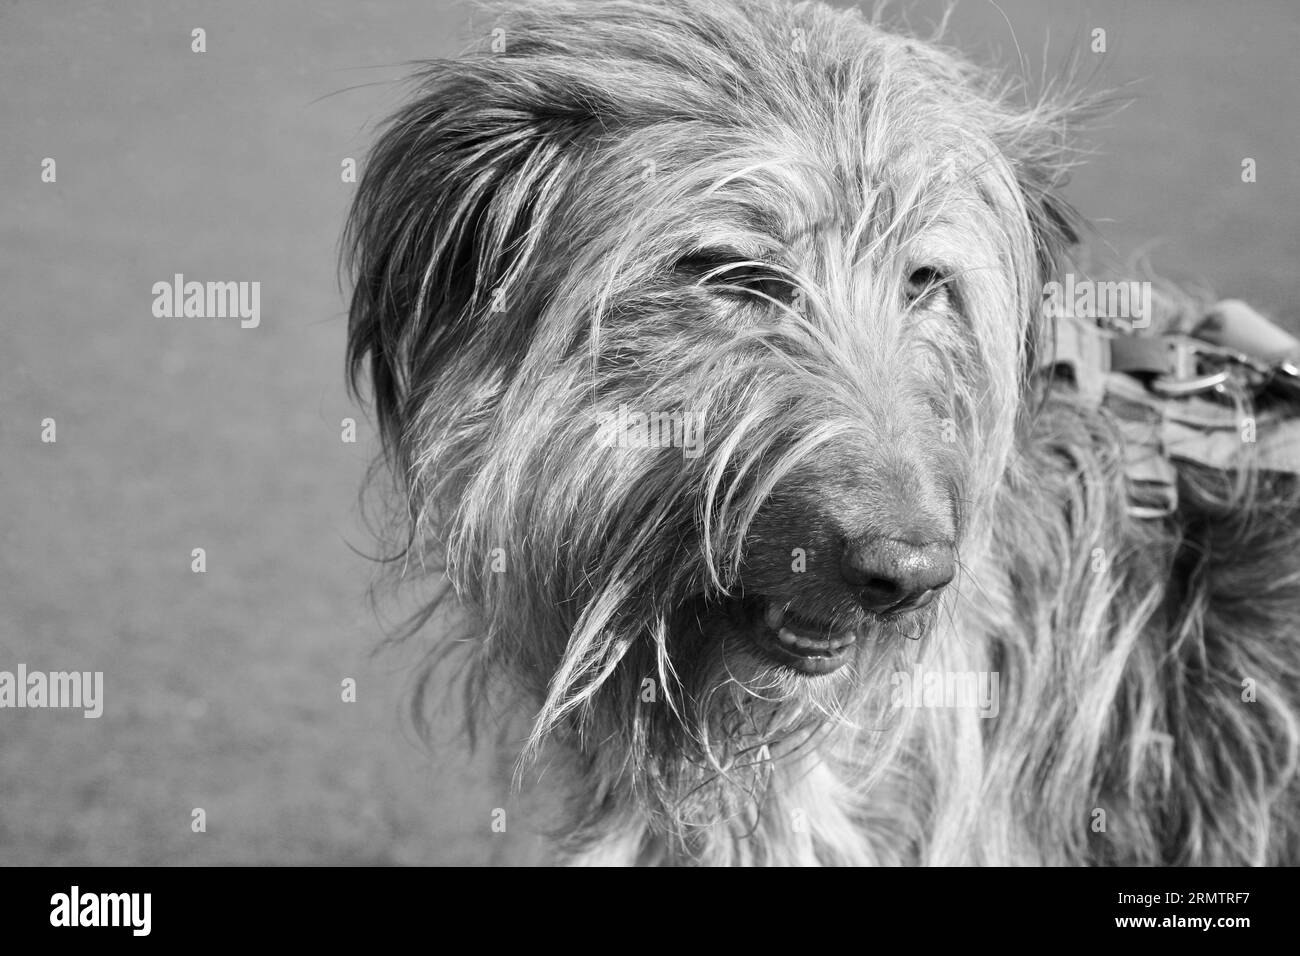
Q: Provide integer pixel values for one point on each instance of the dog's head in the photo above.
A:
(698, 332)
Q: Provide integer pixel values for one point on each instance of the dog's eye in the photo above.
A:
(929, 288)
(729, 273)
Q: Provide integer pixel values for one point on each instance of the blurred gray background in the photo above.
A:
(222, 690)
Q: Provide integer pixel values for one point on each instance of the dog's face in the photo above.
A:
(698, 332)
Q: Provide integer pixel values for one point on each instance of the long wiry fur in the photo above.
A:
(535, 243)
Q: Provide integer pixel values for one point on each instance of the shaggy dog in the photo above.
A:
(707, 338)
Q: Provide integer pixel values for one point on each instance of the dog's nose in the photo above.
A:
(889, 574)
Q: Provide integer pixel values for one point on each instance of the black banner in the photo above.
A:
(327, 905)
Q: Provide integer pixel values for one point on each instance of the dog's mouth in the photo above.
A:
(799, 642)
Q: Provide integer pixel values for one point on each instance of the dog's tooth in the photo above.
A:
(774, 616)
(785, 637)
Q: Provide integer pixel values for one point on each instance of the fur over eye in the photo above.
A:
(729, 272)
(929, 288)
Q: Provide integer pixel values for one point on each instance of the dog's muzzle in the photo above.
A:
(886, 576)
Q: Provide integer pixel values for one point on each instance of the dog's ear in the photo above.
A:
(456, 196)
(1053, 222)
(1035, 151)
(1036, 144)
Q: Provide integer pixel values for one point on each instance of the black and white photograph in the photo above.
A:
(612, 433)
